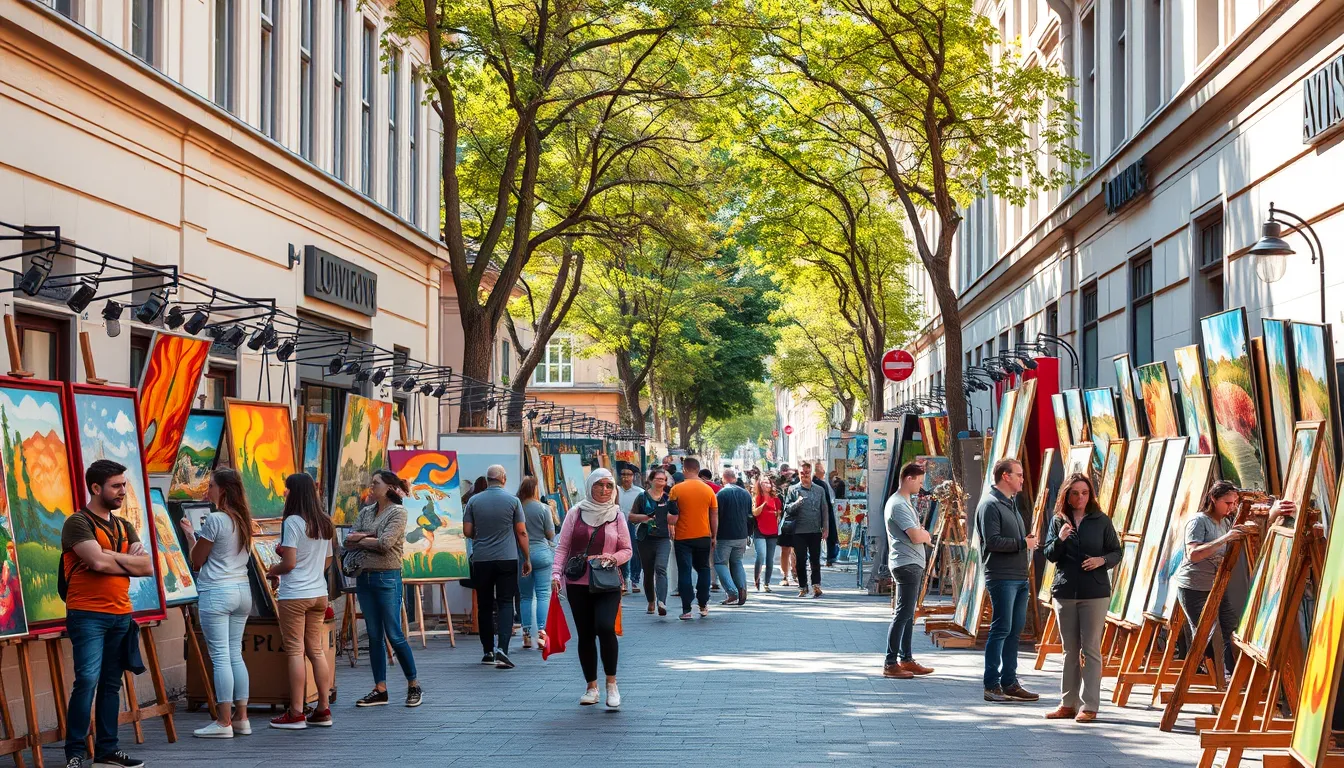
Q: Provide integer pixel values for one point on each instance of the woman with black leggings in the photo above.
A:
(654, 537)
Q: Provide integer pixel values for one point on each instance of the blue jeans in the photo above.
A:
(379, 595)
(630, 569)
(728, 562)
(96, 640)
(535, 588)
(692, 556)
(1009, 601)
(765, 557)
(224, 611)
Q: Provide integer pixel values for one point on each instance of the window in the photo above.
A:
(139, 355)
(1088, 42)
(413, 115)
(66, 8)
(1207, 278)
(1052, 319)
(1211, 241)
(1154, 55)
(338, 23)
(370, 62)
(393, 146)
(1031, 14)
(144, 28)
(306, 11)
(217, 385)
(1141, 299)
(557, 364)
(1120, 67)
(1090, 338)
(44, 345)
(1207, 22)
(270, 69)
(1020, 333)
(226, 69)
(504, 362)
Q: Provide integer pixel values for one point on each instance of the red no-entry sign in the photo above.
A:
(898, 364)
(788, 430)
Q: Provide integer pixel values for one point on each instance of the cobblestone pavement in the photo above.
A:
(780, 681)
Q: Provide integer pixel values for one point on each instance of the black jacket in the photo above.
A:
(1003, 537)
(1094, 537)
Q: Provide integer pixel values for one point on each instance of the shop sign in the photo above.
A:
(328, 277)
(1323, 101)
(1127, 185)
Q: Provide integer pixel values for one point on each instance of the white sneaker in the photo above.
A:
(613, 697)
(242, 727)
(214, 731)
(589, 697)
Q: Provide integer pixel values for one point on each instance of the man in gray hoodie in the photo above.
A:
(1005, 545)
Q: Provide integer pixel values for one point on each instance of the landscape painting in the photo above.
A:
(1129, 480)
(1073, 398)
(196, 457)
(167, 390)
(1278, 336)
(13, 620)
(1313, 362)
(1110, 475)
(1320, 680)
(1124, 379)
(365, 429)
(261, 447)
(571, 477)
(1195, 400)
(1236, 415)
(315, 448)
(1101, 419)
(1159, 516)
(1124, 576)
(1157, 402)
(1061, 411)
(1143, 494)
(179, 586)
(1265, 601)
(435, 549)
(1305, 454)
(1194, 482)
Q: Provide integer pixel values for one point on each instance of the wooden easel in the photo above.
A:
(194, 651)
(445, 617)
(403, 443)
(162, 706)
(86, 351)
(10, 744)
(16, 368)
(349, 630)
(36, 736)
(949, 570)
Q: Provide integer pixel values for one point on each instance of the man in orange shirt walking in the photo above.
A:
(697, 528)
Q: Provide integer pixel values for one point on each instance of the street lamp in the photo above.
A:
(1271, 251)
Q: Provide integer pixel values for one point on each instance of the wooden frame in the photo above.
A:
(287, 432)
(264, 562)
(321, 422)
(174, 483)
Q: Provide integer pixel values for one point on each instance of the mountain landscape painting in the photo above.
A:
(196, 457)
(261, 447)
(167, 388)
(364, 433)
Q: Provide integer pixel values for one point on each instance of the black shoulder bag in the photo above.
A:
(601, 578)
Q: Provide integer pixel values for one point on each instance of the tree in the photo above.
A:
(818, 352)
(755, 426)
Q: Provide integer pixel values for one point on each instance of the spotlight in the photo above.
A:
(149, 311)
(441, 390)
(352, 367)
(286, 350)
(112, 315)
(425, 389)
(234, 336)
(260, 336)
(174, 317)
(83, 295)
(409, 385)
(197, 320)
(334, 367)
(396, 383)
(36, 275)
(378, 376)
(532, 414)
(1029, 363)
(362, 374)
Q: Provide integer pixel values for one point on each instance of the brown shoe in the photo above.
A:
(1018, 693)
(915, 668)
(1085, 717)
(816, 590)
(896, 672)
(1062, 713)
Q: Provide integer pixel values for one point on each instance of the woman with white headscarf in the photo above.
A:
(600, 536)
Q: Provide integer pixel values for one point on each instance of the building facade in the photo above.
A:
(1192, 112)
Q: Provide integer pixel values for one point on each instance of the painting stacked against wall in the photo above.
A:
(1317, 388)
(1129, 407)
(197, 455)
(179, 586)
(1195, 400)
(1157, 400)
(435, 548)
(1236, 413)
(168, 388)
(365, 429)
(261, 449)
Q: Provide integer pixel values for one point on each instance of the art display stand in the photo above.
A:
(1050, 641)
(10, 744)
(196, 653)
(950, 542)
(162, 707)
(36, 736)
(445, 617)
(349, 630)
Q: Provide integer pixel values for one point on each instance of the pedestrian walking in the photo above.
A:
(1083, 545)
(653, 537)
(592, 546)
(805, 521)
(697, 527)
(707, 478)
(220, 555)
(301, 601)
(626, 495)
(1007, 548)
(735, 509)
(906, 538)
(536, 585)
(373, 554)
(495, 523)
(766, 508)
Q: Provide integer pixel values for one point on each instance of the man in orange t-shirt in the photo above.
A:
(697, 528)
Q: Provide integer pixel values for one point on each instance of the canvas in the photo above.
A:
(1306, 436)
(1003, 427)
(1079, 460)
(1143, 494)
(1194, 483)
(1236, 415)
(475, 454)
(366, 426)
(1073, 398)
(1047, 582)
(1061, 412)
(1261, 618)
(1320, 679)
(543, 480)
(1314, 366)
(1278, 336)
(971, 600)
(1023, 408)
(1123, 580)
(1110, 475)
(179, 585)
(1159, 515)
(1157, 402)
(435, 547)
(261, 447)
(1104, 428)
(1129, 407)
(571, 477)
(1129, 480)
(196, 456)
(937, 470)
(315, 448)
(167, 391)
(1040, 508)
(13, 621)
(265, 554)
(1195, 400)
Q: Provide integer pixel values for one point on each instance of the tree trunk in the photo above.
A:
(478, 347)
(955, 398)
(626, 373)
(877, 383)
(684, 428)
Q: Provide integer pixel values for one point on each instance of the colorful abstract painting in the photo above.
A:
(1143, 494)
(1129, 480)
(1124, 579)
(13, 621)
(365, 429)
(1320, 679)
(435, 549)
(1236, 415)
(179, 586)
(167, 391)
(1073, 398)
(1110, 475)
(1157, 402)
(1159, 516)
(196, 456)
(261, 448)
(315, 448)
(1061, 413)
(1194, 482)
(1195, 400)
(1129, 407)
(1314, 366)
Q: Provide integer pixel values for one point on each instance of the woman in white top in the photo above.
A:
(305, 554)
(221, 553)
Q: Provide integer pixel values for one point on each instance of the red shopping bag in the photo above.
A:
(557, 629)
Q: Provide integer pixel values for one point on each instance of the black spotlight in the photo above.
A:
(532, 414)
(234, 336)
(152, 307)
(257, 339)
(112, 314)
(83, 295)
(334, 367)
(425, 389)
(396, 383)
(362, 374)
(1029, 363)
(441, 390)
(36, 275)
(174, 318)
(378, 376)
(408, 385)
(197, 320)
(286, 350)
(352, 367)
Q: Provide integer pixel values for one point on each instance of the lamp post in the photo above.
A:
(1271, 251)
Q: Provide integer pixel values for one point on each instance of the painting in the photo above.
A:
(1260, 621)
(937, 470)
(167, 389)
(435, 548)
(1040, 509)
(1143, 494)
(1101, 420)
(1195, 400)
(1129, 480)
(571, 478)
(265, 553)
(196, 456)
(1079, 460)
(1305, 454)
(1061, 412)
(1002, 428)
(1047, 582)
(261, 449)
(1320, 679)
(365, 428)
(1129, 407)
(315, 448)
(1023, 407)
(971, 600)
(1110, 475)
(1123, 580)
(13, 620)
(1314, 366)
(1073, 398)
(543, 478)
(1236, 413)
(1278, 340)
(179, 586)
(1157, 402)
(476, 453)
(1190, 490)
(1159, 515)
(105, 428)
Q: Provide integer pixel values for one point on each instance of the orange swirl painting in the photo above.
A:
(167, 389)
(261, 444)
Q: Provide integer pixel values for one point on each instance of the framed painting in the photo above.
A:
(476, 453)
(105, 428)
(999, 443)
(265, 553)
(1061, 413)
(1079, 460)
(1196, 475)
(1040, 509)
(196, 456)
(315, 448)
(1129, 480)
(1124, 579)
(1023, 407)
(1236, 410)
(544, 483)
(1073, 398)
(1195, 400)
(1317, 388)
(1143, 493)
(971, 600)
(571, 478)
(435, 548)
(261, 449)
(1278, 340)
(937, 470)
(366, 426)
(13, 620)
(1101, 420)
(1302, 461)
(1047, 582)
(1159, 515)
(1129, 407)
(179, 586)
(1110, 475)
(168, 388)
(1157, 402)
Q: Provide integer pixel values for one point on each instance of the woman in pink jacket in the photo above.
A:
(594, 527)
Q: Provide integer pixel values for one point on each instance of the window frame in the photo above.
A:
(412, 136)
(393, 136)
(144, 32)
(368, 58)
(225, 40)
(340, 34)
(307, 36)
(1090, 325)
(270, 12)
(562, 349)
(1141, 292)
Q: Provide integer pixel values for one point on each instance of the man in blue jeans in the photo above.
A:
(100, 553)
(734, 536)
(1005, 546)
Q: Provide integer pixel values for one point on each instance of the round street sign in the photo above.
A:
(775, 433)
(898, 364)
(788, 430)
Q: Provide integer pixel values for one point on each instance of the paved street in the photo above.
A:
(781, 681)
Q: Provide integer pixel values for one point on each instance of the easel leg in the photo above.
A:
(30, 703)
(156, 677)
(1042, 648)
(132, 705)
(420, 613)
(194, 650)
(447, 613)
(54, 656)
(13, 743)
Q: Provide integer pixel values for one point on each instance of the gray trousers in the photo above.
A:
(1081, 624)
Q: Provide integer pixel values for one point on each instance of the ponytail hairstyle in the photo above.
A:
(397, 489)
(1218, 491)
(302, 501)
(527, 490)
(233, 503)
(1062, 504)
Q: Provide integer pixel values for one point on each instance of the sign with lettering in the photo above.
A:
(1127, 185)
(330, 278)
(1323, 101)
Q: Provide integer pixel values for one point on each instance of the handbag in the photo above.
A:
(577, 564)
